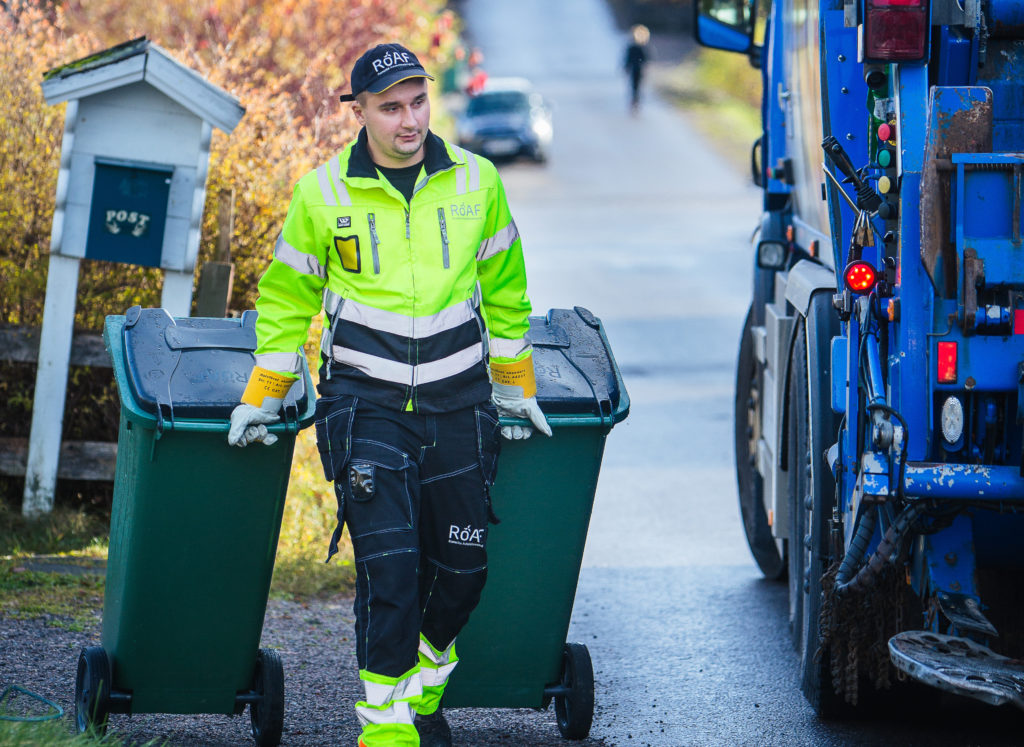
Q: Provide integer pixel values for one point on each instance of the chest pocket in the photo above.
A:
(348, 250)
(351, 246)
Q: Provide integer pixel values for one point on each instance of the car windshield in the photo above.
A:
(496, 102)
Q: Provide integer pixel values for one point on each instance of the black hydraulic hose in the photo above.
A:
(884, 553)
(858, 547)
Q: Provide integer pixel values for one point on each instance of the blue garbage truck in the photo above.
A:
(880, 374)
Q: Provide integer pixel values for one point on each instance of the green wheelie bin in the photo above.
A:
(193, 531)
(513, 651)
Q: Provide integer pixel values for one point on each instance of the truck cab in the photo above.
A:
(880, 375)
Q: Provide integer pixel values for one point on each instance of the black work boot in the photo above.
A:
(433, 729)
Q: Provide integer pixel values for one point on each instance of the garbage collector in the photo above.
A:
(408, 244)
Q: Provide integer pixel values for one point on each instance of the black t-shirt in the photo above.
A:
(402, 179)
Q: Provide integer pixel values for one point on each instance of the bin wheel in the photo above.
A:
(92, 691)
(267, 716)
(575, 709)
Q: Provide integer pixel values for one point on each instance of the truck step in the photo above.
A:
(959, 666)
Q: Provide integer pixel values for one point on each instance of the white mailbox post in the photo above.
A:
(131, 188)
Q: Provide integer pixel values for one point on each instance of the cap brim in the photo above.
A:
(387, 81)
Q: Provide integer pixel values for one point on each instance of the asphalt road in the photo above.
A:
(637, 219)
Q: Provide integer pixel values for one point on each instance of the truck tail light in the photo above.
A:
(860, 277)
(895, 30)
(946, 367)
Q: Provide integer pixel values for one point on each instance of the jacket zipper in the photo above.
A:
(444, 235)
(374, 242)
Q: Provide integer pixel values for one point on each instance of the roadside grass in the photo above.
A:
(17, 730)
(66, 600)
(64, 531)
(57, 733)
(721, 92)
(64, 538)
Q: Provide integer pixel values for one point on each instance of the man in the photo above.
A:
(407, 243)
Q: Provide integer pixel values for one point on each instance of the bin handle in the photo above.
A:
(593, 391)
(160, 417)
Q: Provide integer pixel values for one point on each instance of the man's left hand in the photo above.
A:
(512, 404)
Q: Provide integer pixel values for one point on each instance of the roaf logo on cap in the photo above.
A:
(390, 59)
(382, 67)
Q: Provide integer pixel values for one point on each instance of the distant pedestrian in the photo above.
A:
(636, 58)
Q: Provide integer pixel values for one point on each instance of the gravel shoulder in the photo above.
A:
(321, 685)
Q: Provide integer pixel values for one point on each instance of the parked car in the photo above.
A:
(508, 118)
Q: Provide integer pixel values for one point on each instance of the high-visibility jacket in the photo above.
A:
(416, 293)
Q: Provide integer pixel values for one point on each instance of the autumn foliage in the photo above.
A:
(285, 60)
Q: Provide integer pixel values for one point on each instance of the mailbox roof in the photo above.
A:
(142, 60)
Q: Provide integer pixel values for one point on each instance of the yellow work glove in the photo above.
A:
(260, 402)
(514, 393)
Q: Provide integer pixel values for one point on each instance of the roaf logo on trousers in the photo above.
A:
(467, 536)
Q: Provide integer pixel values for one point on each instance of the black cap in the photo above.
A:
(381, 67)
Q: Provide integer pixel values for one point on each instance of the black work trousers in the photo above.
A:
(414, 492)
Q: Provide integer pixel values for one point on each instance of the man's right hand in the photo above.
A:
(249, 425)
(261, 401)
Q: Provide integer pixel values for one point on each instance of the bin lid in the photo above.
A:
(573, 363)
(195, 367)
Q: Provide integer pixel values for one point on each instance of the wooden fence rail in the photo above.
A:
(79, 460)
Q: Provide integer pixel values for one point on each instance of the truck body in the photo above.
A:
(880, 375)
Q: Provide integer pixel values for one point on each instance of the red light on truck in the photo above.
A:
(860, 277)
(896, 30)
(946, 366)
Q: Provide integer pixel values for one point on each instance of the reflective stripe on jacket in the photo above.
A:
(416, 294)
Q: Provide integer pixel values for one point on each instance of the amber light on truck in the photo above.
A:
(895, 30)
(860, 277)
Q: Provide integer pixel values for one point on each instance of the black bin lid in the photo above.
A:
(574, 367)
(193, 368)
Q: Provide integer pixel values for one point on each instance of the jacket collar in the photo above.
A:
(360, 163)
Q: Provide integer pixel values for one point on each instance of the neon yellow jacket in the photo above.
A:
(417, 293)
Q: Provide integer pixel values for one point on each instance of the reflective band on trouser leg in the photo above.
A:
(265, 384)
(386, 714)
(435, 668)
(519, 373)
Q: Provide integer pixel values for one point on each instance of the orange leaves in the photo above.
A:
(286, 60)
